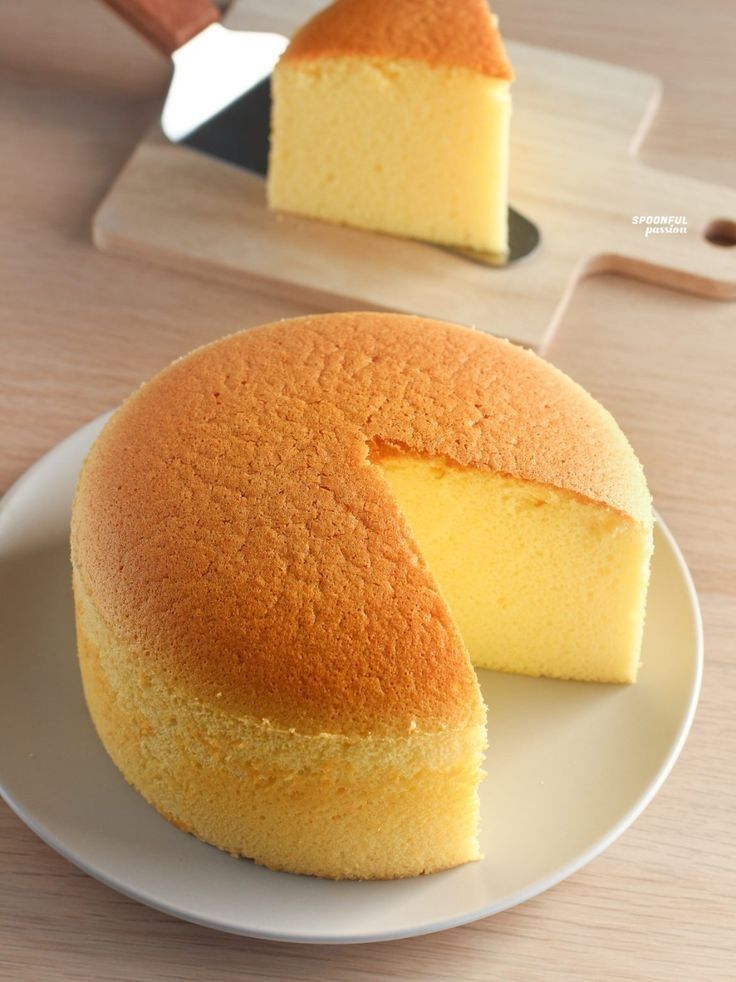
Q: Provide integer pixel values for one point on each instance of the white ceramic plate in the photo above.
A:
(570, 765)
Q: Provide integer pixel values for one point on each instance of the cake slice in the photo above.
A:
(393, 115)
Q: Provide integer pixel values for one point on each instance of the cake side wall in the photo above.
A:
(333, 807)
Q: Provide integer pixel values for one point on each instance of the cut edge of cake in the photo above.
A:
(493, 545)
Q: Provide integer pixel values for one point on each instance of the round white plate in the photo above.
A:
(570, 765)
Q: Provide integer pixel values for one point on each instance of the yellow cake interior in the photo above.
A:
(538, 580)
(398, 146)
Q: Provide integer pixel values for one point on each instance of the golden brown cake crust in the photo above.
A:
(229, 526)
(460, 34)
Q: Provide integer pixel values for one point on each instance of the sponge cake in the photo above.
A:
(394, 115)
(289, 545)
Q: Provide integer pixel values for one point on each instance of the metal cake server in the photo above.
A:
(219, 101)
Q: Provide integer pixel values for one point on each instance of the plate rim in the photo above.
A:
(438, 924)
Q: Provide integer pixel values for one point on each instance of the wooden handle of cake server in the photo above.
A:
(167, 24)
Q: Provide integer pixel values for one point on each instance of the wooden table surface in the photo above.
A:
(79, 329)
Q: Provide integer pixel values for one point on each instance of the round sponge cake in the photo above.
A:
(265, 650)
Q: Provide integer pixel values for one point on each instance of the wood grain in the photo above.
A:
(79, 329)
(576, 123)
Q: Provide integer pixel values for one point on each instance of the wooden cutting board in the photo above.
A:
(577, 125)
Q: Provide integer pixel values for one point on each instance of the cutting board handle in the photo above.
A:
(690, 253)
(167, 24)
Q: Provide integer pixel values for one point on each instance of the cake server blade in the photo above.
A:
(219, 100)
(213, 65)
